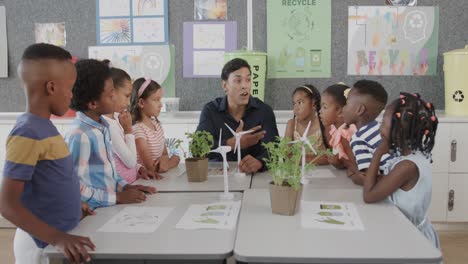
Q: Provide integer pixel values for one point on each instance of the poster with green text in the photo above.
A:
(298, 38)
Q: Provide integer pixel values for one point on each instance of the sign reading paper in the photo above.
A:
(385, 40)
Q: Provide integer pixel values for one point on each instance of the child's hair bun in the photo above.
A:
(107, 63)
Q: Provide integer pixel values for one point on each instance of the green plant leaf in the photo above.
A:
(200, 143)
(283, 161)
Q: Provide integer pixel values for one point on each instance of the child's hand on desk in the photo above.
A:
(335, 161)
(86, 210)
(145, 174)
(143, 188)
(358, 177)
(154, 174)
(130, 195)
(174, 161)
(163, 164)
(73, 247)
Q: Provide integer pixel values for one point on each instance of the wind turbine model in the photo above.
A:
(223, 150)
(305, 141)
(237, 147)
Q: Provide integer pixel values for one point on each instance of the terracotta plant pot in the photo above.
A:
(197, 169)
(284, 199)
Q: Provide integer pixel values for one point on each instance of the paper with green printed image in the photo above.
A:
(218, 215)
(330, 215)
(299, 38)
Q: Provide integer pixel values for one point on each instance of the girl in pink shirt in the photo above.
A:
(331, 114)
(149, 135)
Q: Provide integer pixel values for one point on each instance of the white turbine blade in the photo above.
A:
(307, 130)
(230, 129)
(310, 146)
(235, 146)
(215, 151)
(220, 134)
(226, 149)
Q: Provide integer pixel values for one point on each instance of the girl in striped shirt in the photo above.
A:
(149, 135)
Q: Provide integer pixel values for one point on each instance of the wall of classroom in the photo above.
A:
(80, 24)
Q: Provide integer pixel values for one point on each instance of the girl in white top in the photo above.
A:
(408, 130)
(120, 126)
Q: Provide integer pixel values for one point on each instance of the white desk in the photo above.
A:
(388, 236)
(175, 181)
(340, 181)
(166, 244)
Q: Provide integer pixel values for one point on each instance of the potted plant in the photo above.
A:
(200, 144)
(284, 165)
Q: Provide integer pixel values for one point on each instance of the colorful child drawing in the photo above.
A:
(392, 40)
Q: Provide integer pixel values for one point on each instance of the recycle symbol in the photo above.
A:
(458, 96)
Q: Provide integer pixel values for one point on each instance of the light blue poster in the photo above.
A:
(128, 22)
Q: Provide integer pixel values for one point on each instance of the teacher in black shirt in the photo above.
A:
(239, 110)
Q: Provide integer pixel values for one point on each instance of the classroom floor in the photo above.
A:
(454, 246)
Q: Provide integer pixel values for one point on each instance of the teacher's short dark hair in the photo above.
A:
(232, 66)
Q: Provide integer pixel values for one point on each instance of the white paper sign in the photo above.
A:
(209, 36)
(208, 62)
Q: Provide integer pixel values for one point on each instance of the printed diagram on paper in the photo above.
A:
(136, 220)
(222, 215)
(330, 215)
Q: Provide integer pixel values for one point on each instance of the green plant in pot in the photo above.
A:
(200, 144)
(284, 165)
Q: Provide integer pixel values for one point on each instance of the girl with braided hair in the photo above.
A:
(408, 129)
(306, 107)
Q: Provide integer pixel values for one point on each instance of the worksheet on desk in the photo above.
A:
(136, 220)
(330, 215)
(220, 215)
(319, 174)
